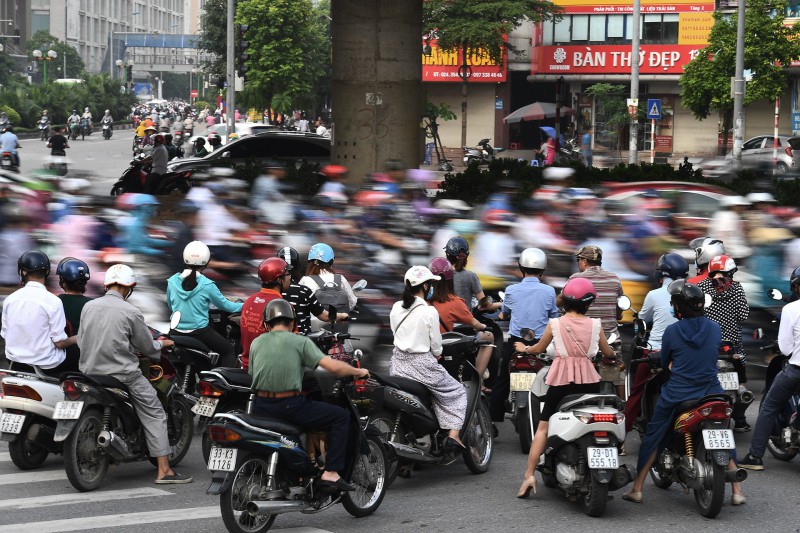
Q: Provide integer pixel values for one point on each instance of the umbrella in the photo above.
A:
(551, 132)
(537, 111)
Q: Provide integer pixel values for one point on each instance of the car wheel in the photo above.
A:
(781, 169)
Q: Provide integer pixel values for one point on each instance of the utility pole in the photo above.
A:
(738, 90)
(230, 100)
(633, 155)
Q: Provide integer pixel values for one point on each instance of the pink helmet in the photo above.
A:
(440, 266)
(579, 290)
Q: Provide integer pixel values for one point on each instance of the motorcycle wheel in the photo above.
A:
(24, 454)
(524, 430)
(118, 189)
(478, 454)
(251, 477)
(594, 502)
(369, 475)
(384, 421)
(658, 480)
(85, 462)
(180, 429)
(778, 450)
(709, 500)
(550, 480)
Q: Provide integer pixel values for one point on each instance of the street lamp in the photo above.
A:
(119, 63)
(50, 56)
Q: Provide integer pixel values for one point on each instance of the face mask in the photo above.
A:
(722, 284)
(429, 294)
(672, 312)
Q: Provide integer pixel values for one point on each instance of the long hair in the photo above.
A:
(190, 282)
(443, 290)
(459, 263)
(314, 267)
(409, 293)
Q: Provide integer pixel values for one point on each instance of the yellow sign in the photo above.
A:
(694, 28)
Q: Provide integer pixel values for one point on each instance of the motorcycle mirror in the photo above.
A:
(775, 294)
(174, 320)
(485, 302)
(358, 355)
(613, 338)
(758, 334)
(640, 328)
(332, 313)
(527, 334)
(708, 301)
(624, 303)
(360, 285)
(502, 295)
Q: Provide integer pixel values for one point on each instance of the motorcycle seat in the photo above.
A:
(236, 376)
(408, 385)
(189, 342)
(99, 380)
(689, 404)
(574, 400)
(272, 424)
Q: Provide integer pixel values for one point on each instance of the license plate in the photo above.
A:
(728, 380)
(602, 458)
(67, 410)
(522, 381)
(205, 406)
(718, 439)
(11, 423)
(222, 459)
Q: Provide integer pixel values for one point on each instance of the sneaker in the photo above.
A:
(742, 427)
(174, 479)
(495, 431)
(752, 463)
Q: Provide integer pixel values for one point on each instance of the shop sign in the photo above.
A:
(611, 59)
(443, 66)
(623, 6)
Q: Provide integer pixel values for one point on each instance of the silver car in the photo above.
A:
(758, 152)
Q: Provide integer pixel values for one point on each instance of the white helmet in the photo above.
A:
(120, 275)
(706, 248)
(86, 109)
(533, 258)
(196, 253)
(107, 111)
(417, 275)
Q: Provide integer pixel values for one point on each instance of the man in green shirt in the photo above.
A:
(277, 361)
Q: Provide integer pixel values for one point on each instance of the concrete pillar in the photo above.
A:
(377, 92)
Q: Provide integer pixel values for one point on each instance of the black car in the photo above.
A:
(286, 146)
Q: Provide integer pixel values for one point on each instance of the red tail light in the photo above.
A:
(687, 421)
(207, 389)
(601, 433)
(222, 434)
(596, 418)
(788, 151)
(520, 363)
(73, 389)
(605, 417)
(21, 391)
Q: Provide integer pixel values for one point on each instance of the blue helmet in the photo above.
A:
(456, 246)
(673, 266)
(71, 269)
(321, 252)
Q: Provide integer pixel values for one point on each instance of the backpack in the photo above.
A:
(332, 293)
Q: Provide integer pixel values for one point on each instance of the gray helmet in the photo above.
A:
(533, 258)
(705, 249)
(278, 308)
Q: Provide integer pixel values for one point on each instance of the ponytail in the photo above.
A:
(458, 262)
(409, 294)
(190, 281)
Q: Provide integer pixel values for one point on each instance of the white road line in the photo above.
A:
(4, 457)
(82, 497)
(32, 477)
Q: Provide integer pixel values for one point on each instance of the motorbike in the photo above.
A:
(98, 425)
(74, 130)
(108, 130)
(729, 379)
(483, 154)
(260, 467)
(44, 130)
(523, 369)
(26, 423)
(8, 162)
(58, 162)
(570, 150)
(409, 425)
(135, 177)
(85, 128)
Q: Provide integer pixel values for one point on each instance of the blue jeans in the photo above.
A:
(784, 386)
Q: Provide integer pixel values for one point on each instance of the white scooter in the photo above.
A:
(582, 455)
(26, 416)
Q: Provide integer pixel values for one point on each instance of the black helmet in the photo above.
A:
(687, 297)
(794, 279)
(673, 266)
(71, 269)
(200, 141)
(33, 261)
(456, 246)
(289, 255)
(278, 308)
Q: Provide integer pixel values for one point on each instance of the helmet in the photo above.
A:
(579, 290)
(200, 141)
(332, 171)
(289, 255)
(168, 137)
(722, 263)
(533, 258)
(86, 109)
(74, 110)
(457, 246)
(278, 308)
(321, 252)
(233, 136)
(687, 295)
(196, 253)
(214, 138)
(673, 266)
(272, 269)
(71, 269)
(33, 261)
(440, 266)
(417, 275)
(705, 248)
(120, 275)
(158, 138)
(794, 279)
(107, 111)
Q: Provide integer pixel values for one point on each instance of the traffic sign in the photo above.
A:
(193, 93)
(654, 108)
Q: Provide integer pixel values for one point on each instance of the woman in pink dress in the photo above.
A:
(577, 339)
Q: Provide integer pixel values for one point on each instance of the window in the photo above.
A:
(753, 144)
(597, 29)
(580, 27)
(547, 33)
(660, 29)
(561, 31)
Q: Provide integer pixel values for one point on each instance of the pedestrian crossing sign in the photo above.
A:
(654, 108)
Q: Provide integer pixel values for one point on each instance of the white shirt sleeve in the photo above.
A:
(351, 296)
(787, 329)
(435, 334)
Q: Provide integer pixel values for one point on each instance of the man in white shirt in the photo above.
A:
(33, 319)
(9, 143)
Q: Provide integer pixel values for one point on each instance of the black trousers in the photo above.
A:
(216, 343)
(309, 414)
(502, 384)
(153, 181)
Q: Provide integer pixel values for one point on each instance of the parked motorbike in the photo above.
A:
(27, 402)
(44, 130)
(107, 130)
(483, 154)
(260, 467)
(409, 424)
(8, 162)
(570, 150)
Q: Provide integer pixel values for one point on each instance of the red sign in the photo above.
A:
(663, 143)
(193, 93)
(611, 59)
(661, 8)
(442, 66)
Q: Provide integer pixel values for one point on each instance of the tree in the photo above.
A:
(769, 48)
(483, 25)
(611, 104)
(42, 40)
(213, 36)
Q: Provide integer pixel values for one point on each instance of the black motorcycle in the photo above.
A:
(410, 427)
(260, 467)
(525, 408)
(135, 176)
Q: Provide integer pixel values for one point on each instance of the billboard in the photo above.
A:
(442, 66)
(612, 59)
(622, 6)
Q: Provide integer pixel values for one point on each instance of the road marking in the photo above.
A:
(82, 497)
(32, 477)
(5, 456)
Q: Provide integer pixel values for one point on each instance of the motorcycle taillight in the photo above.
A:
(521, 363)
(222, 434)
(715, 411)
(73, 389)
(207, 389)
(21, 391)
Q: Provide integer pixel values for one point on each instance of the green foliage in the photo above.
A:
(13, 116)
(482, 23)
(202, 104)
(769, 49)
(213, 36)
(42, 40)
(442, 111)
(281, 102)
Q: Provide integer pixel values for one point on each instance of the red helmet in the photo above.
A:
(272, 269)
(579, 290)
(440, 266)
(722, 263)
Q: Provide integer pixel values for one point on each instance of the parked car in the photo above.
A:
(758, 152)
(289, 146)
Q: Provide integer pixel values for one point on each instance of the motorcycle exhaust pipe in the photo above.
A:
(738, 475)
(407, 452)
(114, 445)
(621, 477)
(259, 508)
(745, 397)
